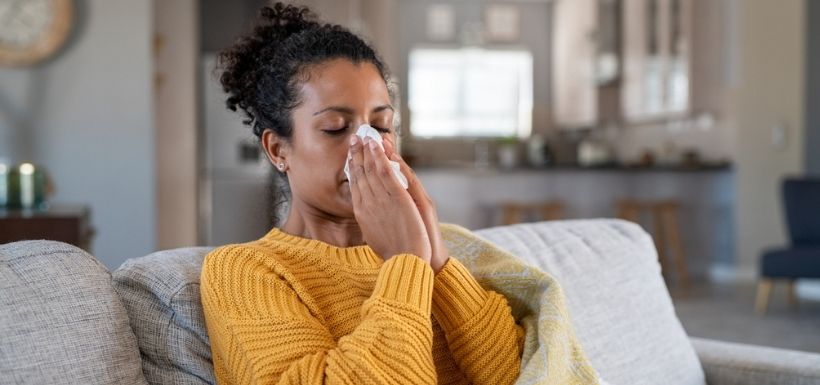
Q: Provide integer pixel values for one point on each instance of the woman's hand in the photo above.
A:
(390, 222)
(425, 206)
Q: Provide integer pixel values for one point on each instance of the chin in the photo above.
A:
(345, 199)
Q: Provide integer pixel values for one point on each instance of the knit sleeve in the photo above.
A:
(261, 332)
(481, 332)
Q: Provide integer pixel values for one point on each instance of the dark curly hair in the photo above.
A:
(262, 71)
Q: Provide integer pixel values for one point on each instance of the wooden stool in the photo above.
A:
(515, 212)
(665, 232)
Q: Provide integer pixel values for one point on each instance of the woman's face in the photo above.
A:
(337, 97)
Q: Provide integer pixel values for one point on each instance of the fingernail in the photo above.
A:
(353, 139)
(372, 144)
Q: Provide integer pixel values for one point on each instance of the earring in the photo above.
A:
(281, 167)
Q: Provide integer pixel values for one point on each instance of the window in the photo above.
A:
(470, 92)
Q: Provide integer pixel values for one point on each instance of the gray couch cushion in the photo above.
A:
(617, 298)
(60, 319)
(161, 293)
(608, 269)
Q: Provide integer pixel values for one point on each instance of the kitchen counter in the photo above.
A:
(473, 197)
(470, 168)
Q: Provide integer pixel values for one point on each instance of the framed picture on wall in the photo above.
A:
(441, 22)
(502, 23)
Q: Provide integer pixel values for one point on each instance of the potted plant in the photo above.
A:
(508, 152)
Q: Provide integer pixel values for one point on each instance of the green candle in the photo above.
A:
(4, 185)
(27, 185)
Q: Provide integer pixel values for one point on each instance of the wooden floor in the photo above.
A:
(727, 312)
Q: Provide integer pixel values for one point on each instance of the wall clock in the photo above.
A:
(33, 30)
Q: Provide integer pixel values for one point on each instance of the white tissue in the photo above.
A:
(366, 131)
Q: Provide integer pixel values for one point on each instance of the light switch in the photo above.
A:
(779, 136)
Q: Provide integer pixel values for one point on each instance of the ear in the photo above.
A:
(276, 148)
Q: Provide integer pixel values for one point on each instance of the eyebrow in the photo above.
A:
(349, 111)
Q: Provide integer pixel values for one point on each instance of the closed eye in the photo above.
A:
(379, 129)
(342, 130)
(336, 131)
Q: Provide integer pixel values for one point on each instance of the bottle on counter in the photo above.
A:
(508, 152)
(594, 152)
(538, 152)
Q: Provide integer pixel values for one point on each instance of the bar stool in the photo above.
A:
(665, 232)
(516, 212)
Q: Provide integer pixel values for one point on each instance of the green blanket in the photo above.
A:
(552, 352)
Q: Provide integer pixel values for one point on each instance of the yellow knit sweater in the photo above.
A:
(290, 310)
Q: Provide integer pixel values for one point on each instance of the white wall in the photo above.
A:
(17, 114)
(812, 104)
(91, 124)
(770, 92)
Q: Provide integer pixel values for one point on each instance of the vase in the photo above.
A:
(508, 156)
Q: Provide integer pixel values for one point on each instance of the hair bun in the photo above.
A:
(260, 71)
(287, 19)
(241, 62)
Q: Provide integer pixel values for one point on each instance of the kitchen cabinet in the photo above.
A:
(638, 49)
(657, 48)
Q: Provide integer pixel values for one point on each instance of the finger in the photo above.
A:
(389, 147)
(371, 172)
(391, 153)
(359, 188)
(423, 203)
(414, 186)
(383, 175)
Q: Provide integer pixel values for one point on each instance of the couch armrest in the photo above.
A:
(727, 363)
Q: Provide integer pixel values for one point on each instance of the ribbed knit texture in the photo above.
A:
(289, 310)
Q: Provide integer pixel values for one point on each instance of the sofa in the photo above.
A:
(64, 318)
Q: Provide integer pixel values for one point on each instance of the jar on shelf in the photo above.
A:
(508, 152)
(25, 187)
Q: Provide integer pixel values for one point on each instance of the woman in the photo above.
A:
(356, 287)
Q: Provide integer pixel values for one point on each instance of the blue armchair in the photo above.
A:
(801, 199)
